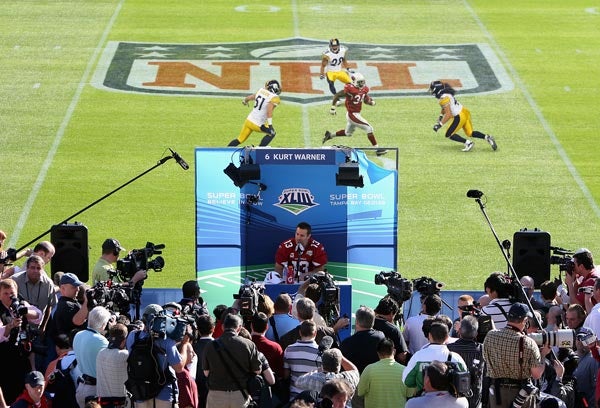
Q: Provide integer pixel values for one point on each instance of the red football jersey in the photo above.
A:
(312, 257)
(355, 97)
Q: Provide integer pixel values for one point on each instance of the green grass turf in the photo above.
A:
(549, 120)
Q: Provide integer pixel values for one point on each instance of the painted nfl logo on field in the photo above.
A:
(237, 69)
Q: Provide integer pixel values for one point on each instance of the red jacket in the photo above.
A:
(25, 401)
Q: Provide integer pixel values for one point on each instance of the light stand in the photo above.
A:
(476, 194)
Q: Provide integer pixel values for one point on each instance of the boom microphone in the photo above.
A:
(474, 194)
(179, 160)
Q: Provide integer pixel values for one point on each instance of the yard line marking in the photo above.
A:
(61, 130)
(561, 152)
(305, 117)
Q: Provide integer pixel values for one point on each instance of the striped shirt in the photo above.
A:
(300, 358)
(497, 310)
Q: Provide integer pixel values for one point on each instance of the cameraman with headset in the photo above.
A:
(437, 384)
(111, 249)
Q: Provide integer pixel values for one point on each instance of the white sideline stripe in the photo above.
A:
(561, 152)
(61, 130)
(367, 293)
(214, 284)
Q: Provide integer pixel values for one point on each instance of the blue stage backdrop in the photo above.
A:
(240, 228)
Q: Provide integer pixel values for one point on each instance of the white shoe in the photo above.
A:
(468, 146)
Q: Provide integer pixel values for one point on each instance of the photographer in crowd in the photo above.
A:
(435, 350)
(87, 344)
(39, 290)
(498, 288)
(380, 383)
(437, 384)
(512, 359)
(472, 353)
(69, 313)
(171, 361)
(15, 344)
(583, 274)
(44, 250)
(413, 328)
(385, 316)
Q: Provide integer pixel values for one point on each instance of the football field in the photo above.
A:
(93, 93)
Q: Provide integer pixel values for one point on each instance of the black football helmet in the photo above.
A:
(436, 88)
(273, 86)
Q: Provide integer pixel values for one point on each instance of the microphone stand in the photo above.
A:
(510, 266)
(506, 247)
(160, 163)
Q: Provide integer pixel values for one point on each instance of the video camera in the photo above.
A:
(427, 286)
(166, 325)
(113, 296)
(17, 307)
(459, 381)
(399, 288)
(249, 295)
(328, 305)
(139, 259)
(563, 258)
(26, 334)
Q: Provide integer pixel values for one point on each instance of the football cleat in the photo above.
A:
(327, 136)
(436, 88)
(273, 86)
(358, 79)
(380, 152)
(491, 141)
(334, 45)
(468, 146)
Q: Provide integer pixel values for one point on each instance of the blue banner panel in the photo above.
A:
(285, 187)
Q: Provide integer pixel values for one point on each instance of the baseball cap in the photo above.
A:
(35, 378)
(71, 279)
(519, 311)
(584, 332)
(111, 244)
(273, 278)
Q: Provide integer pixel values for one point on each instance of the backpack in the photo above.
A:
(145, 377)
(62, 386)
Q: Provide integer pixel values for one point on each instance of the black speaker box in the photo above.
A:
(531, 255)
(72, 252)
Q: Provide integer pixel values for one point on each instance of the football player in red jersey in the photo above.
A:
(356, 93)
(303, 252)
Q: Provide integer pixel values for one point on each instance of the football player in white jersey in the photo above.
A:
(458, 116)
(334, 65)
(260, 119)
